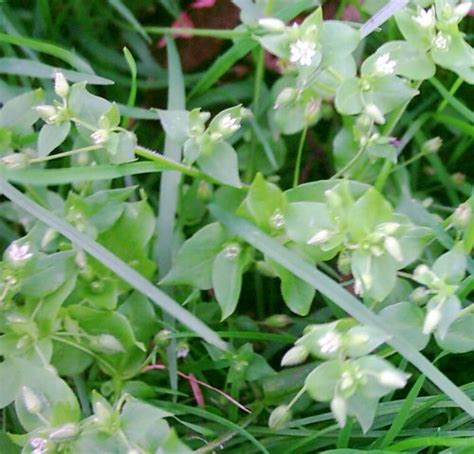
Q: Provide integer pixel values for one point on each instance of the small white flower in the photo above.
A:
(425, 18)
(286, 96)
(330, 342)
(441, 41)
(277, 219)
(358, 287)
(302, 52)
(229, 124)
(295, 355)
(100, 136)
(18, 253)
(182, 350)
(339, 410)
(232, 251)
(39, 443)
(271, 24)
(320, 237)
(462, 215)
(462, 9)
(432, 319)
(392, 246)
(384, 66)
(393, 379)
(61, 87)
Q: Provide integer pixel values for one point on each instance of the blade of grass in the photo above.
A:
(425, 442)
(133, 85)
(116, 265)
(23, 67)
(454, 102)
(123, 10)
(169, 190)
(402, 416)
(50, 49)
(342, 298)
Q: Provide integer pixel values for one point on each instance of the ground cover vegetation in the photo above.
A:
(237, 227)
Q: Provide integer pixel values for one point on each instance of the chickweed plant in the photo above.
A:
(270, 252)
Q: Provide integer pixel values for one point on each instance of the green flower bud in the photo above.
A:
(65, 432)
(462, 216)
(279, 417)
(32, 400)
(278, 321)
(294, 356)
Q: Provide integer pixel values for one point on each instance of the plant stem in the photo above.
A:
(390, 126)
(210, 33)
(66, 153)
(350, 163)
(296, 175)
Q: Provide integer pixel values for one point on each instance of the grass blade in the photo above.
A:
(30, 68)
(112, 262)
(50, 49)
(455, 103)
(345, 300)
(169, 190)
(123, 10)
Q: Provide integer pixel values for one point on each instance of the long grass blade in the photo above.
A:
(345, 300)
(111, 261)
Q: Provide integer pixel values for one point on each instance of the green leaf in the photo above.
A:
(349, 97)
(123, 10)
(172, 445)
(363, 409)
(221, 163)
(20, 113)
(407, 319)
(10, 380)
(451, 266)
(227, 280)
(322, 382)
(450, 309)
(175, 123)
(390, 92)
(338, 41)
(141, 315)
(298, 295)
(51, 136)
(411, 61)
(411, 30)
(85, 106)
(47, 274)
(460, 336)
(194, 261)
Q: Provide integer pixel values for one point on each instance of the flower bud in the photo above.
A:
(61, 87)
(18, 254)
(286, 96)
(393, 379)
(15, 160)
(182, 349)
(420, 295)
(311, 111)
(48, 113)
(344, 263)
(278, 321)
(392, 246)
(279, 417)
(339, 410)
(320, 237)
(277, 219)
(32, 401)
(109, 344)
(294, 356)
(375, 114)
(102, 413)
(432, 319)
(424, 275)
(462, 215)
(204, 191)
(100, 136)
(163, 338)
(232, 251)
(433, 145)
(462, 9)
(272, 24)
(65, 432)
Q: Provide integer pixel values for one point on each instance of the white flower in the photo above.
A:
(432, 319)
(425, 18)
(232, 251)
(392, 246)
(385, 66)
(100, 136)
(347, 380)
(302, 52)
(330, 342)
(339, 410)
(320, 237)
(375, 113)
(229, 124)
(18, 253)
(462, 9)
(61, 87)
(393, 379)
(272, 24)
(462, 215)
(39, 443)
(277, 219)
(294, 356)
(441, 41)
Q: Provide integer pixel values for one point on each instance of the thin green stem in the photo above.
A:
(356, 157)
(299, 155)
(389, 127)
(65, 154)
(297, 396)
(208, 32)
